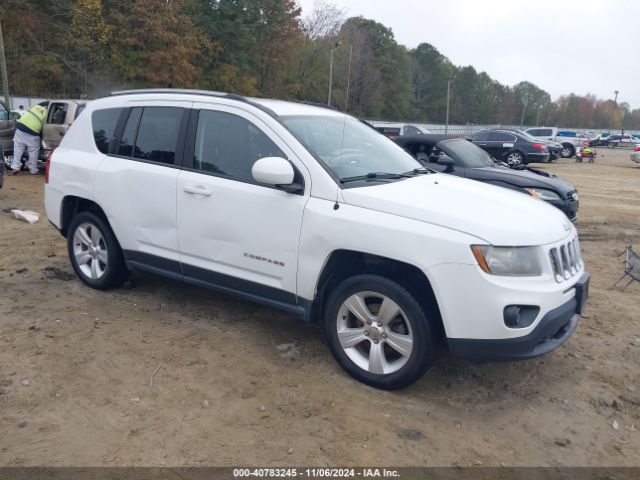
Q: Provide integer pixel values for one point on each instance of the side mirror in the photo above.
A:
(277, 172)
(446, 161)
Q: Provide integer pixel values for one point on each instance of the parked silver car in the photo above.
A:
(60, 116)
(635, 155)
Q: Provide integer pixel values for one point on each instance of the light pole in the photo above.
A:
(446, 125)
(338, 43)
(524, 110)
(615, 100)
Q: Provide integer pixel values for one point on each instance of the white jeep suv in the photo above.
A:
(312, 211)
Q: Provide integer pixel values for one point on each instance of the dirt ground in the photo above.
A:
(88, 356)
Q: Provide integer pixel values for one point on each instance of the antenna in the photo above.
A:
(346, 103)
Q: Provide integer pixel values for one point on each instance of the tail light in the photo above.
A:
(47, 167)
(637, 149)
(538, 147)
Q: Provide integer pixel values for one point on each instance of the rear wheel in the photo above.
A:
(515, 158)
(95, 253)
(378, 332)
(567, 151)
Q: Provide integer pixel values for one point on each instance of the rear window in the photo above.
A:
(480, 137)
(389, 130)
(104, 127)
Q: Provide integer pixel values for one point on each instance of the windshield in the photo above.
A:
(471, 155)
(365, 150)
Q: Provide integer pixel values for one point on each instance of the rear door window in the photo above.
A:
(544, 132)
(411, 130)
(104, 127)
(157, 136)
(502, 137)
(57, 113)
(480, 137)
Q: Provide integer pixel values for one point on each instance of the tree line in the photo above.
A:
(86, 48)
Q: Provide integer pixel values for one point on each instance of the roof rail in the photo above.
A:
(186, 91)
(170, 90)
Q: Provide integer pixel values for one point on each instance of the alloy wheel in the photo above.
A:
(374, 332)
(90, 251)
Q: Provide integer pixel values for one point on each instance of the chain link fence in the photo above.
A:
(470, 129)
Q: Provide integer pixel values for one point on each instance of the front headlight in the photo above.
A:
(542, 193)
(508, 260)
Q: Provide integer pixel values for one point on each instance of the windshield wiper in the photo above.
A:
(420, 171)
(375, 175)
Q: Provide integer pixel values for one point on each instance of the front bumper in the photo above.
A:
(552, 330)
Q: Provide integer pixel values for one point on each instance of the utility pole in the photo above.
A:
(338, 43)
(524, 110)
(446, 125)
(3, 69)
(615, 100)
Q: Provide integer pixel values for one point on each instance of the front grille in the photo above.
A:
(566, 260)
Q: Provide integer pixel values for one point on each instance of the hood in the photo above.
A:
(528, 177)
(494, 214)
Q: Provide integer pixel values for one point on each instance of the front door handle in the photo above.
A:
(483, 144)
(197, 190)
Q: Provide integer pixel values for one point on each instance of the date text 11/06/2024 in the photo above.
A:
(315, 472)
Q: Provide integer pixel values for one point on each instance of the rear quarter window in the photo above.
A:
(104, 127)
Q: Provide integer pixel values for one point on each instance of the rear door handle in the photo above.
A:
(483, 144)
(197, 190)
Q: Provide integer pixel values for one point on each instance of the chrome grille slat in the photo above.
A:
(565, 259)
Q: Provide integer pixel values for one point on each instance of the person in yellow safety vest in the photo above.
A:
(27, 138)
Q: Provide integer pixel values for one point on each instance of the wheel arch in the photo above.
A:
(72, 205)
(342, 264)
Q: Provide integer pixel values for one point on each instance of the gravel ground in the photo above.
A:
(75, 366)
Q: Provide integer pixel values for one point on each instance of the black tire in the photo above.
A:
(515, 158)
(115, 271)
(567, 151)
(424, 347)
(611, 145)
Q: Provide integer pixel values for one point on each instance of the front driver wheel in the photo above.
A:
(378, 332)
(95, 253)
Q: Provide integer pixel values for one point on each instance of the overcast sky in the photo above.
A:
(562, 46)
